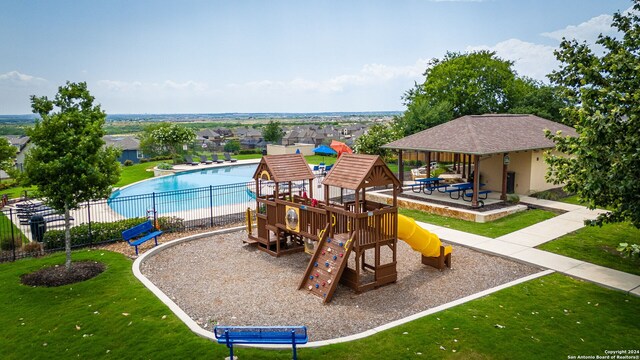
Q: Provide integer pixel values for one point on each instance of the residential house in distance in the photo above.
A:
(22, 145)
(129, 145)
(209, 138)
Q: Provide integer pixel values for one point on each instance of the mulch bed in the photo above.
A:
(58, 275)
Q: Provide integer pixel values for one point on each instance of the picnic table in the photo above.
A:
(427, 185)
(461, 189)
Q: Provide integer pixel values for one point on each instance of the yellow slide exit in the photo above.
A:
(420, 240)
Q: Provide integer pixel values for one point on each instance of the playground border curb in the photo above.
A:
(198, 330)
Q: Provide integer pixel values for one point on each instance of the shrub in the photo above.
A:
(100, 232)
(6, 244)
(513, 198)
(128, 163)
(143, 160)
(32, 248)
(164, 166)
(629, 250)
(250, 151)
(170, 223)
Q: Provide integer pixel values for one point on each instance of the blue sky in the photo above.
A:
(269, 56)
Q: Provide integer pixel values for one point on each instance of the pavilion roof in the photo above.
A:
(484, 134)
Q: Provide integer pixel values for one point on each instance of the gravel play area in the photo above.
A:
(218, 280)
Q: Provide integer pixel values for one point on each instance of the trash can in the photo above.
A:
(264, 152)
(511, 182)
(38, 227)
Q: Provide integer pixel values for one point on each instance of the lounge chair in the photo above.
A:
(228, 157)
(204, 160)
(189, 160)
(215, 159)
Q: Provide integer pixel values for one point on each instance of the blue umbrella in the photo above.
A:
(324, 150)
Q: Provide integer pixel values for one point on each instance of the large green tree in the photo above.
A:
(376, 136)
(273, 132)
(472, 84)
(165, 139)
(7, 155)
(69, 162)
(603, 166)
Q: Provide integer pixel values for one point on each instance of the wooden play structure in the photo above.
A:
(352, 240)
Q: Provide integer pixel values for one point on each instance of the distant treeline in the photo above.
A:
(19, 127)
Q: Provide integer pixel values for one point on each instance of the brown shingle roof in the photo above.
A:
(484, 134)
(282, 168)
(356, 171)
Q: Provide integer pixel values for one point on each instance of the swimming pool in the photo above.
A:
(185, 191)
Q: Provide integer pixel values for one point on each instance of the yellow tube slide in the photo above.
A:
(420, 240)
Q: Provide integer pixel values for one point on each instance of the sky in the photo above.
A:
(217, 56)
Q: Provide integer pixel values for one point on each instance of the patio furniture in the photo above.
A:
(140, 234)
(227, 157)
(204, 160)
(427, 185)
(215, 159)
(416, 174)
(286, 335)
(189, 160)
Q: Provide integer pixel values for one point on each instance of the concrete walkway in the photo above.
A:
(520, 245)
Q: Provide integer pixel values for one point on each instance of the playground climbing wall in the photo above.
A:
(325, 268)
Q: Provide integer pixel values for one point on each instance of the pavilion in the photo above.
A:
(502, 142)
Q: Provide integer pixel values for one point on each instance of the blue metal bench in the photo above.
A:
(140, 234)
(430, 188)
(481, 192)
(230, 335)
(454, 190)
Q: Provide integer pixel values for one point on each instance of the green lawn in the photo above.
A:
(114, 315)
(137, 172)
(598, 245)
(491, 229)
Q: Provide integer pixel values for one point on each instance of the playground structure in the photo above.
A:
(352, 240)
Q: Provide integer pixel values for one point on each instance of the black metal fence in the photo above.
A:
(102, 221)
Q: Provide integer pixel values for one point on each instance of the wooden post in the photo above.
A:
(400, 168)
(505, 164)
(428, 164)
(476, 181)
(464, 166)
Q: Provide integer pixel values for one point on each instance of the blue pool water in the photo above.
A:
(185, 191)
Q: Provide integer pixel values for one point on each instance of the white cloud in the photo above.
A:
(18, 77)
(586, 31)
(368, 74)
(533, 60)
(189, 86)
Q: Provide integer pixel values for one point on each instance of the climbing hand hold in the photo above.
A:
(335, 257)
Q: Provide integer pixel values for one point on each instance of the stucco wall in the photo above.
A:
(305, 149)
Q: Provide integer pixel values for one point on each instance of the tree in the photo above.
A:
(472, 84)
(148, 144)
(166, 138)
(273, 132)
(7, 155)
(376, 136)
(232, 146)
(69, 163)
(533, 97)
(603, 166)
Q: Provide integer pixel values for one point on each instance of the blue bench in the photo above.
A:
(140, 234)
(230, 335)
(454, 190)
(430, 188)
(414, 186)
(480, 193)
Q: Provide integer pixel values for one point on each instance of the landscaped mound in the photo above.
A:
(58, 275)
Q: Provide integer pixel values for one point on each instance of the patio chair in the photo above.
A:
(204, 160)
(227, 157)
(215, 159)
(416, 174)
(189, 160)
